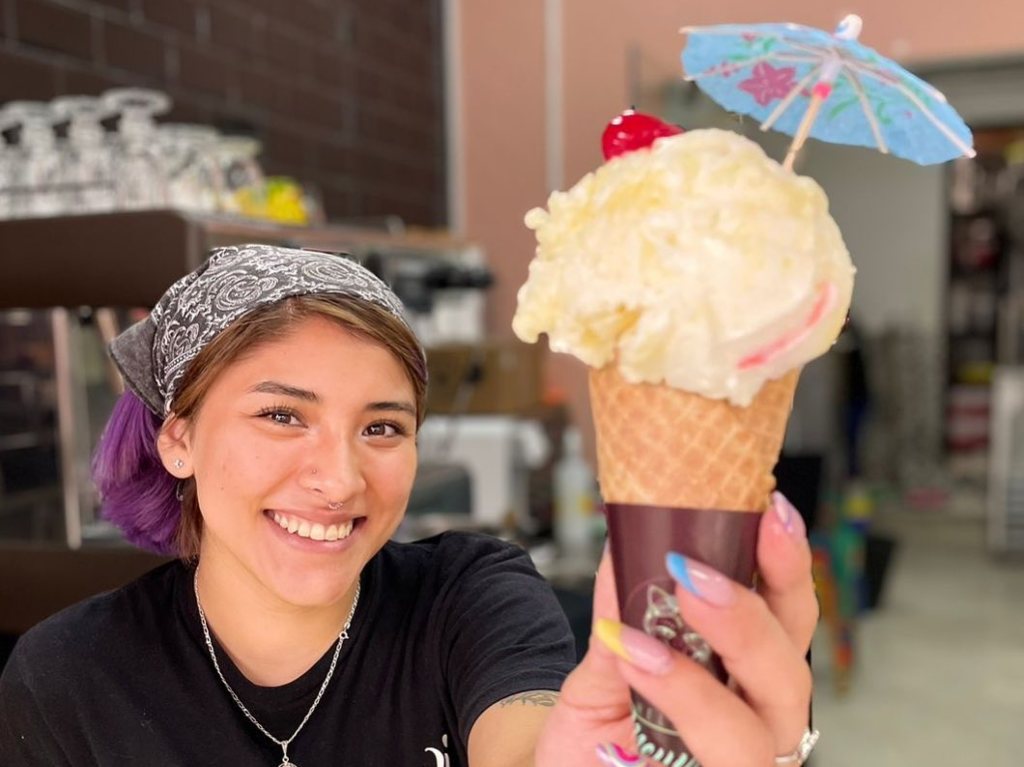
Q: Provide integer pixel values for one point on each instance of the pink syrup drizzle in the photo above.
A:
(823, 303)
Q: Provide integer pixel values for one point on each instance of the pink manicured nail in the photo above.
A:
(700, 580)
(788, 515)
(615, 755)
(643, 651)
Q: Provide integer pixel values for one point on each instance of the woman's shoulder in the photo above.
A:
(106, 622)
(453, 552)
(453, 559)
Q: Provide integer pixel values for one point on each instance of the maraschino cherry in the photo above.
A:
(633, 130)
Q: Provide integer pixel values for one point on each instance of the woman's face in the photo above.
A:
(318, 417)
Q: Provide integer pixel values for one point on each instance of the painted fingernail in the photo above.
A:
(791, 519)
(615, 755)
(643, 651)
(700, 580)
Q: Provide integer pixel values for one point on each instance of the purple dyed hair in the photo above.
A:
(137, 492)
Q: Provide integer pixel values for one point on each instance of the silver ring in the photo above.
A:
(801, 752)
(335, 505)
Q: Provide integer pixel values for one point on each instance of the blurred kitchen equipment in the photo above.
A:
(188, 154)
(1006, 462)
(139, 165)
(442, 288)
(441, 500)
(8, 155)
(86, 178)
(501, 376)
(140, 181)
(498, 451)
(33, 168)
(244, 181)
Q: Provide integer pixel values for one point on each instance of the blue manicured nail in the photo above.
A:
(700, 580)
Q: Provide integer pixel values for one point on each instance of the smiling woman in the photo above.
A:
(267, 440)
(270, 331)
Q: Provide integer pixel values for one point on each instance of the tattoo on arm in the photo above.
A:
(531, 698)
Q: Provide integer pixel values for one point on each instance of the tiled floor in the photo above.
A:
(940, 677)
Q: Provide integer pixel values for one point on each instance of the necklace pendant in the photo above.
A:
(287, 763)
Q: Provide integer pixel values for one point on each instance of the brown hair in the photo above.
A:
(270, 323)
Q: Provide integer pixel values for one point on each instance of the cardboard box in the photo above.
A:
(497, 376)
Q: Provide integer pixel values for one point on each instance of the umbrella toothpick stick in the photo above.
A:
(821, 92)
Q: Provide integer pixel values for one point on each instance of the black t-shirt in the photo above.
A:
(444, 629)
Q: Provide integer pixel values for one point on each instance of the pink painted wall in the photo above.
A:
(502, 83)
(503, 87)
(600, 33)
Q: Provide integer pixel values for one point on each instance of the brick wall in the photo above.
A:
(344, 93)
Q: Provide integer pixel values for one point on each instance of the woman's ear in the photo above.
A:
(175, 447)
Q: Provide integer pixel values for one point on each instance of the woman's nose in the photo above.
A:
(334, 469)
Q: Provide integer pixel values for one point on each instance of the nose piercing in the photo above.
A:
(335, 505)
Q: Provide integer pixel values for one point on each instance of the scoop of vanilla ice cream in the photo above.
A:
(699, 263)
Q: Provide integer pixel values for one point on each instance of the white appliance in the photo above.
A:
(498, 451)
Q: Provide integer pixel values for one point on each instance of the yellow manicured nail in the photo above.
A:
(637, 648)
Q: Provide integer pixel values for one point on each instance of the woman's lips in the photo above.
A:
(317, 535)
(316, 531)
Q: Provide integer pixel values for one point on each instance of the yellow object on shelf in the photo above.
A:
(280, 200)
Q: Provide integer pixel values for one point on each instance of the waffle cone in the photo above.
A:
(661, 446)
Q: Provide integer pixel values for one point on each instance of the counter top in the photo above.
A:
(38, 580)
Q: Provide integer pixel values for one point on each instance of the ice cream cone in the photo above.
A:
(713, 270)
(685, 473)
(661, 446)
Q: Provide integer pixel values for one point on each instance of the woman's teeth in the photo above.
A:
(315, 531)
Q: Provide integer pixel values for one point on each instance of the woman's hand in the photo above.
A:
(761, 637)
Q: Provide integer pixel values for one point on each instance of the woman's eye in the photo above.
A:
(384, 429)
(283, 417)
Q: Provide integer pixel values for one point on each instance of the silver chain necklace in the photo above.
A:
(285, 761)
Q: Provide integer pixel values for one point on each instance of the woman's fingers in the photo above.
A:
(594, 706)
(595, 685)
(762, 640)
(784, 562)
(756, 649)
(606, 604)
(719, 728)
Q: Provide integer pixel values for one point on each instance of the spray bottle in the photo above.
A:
(574, 497)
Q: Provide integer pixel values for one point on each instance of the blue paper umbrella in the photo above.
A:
(807, 82)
